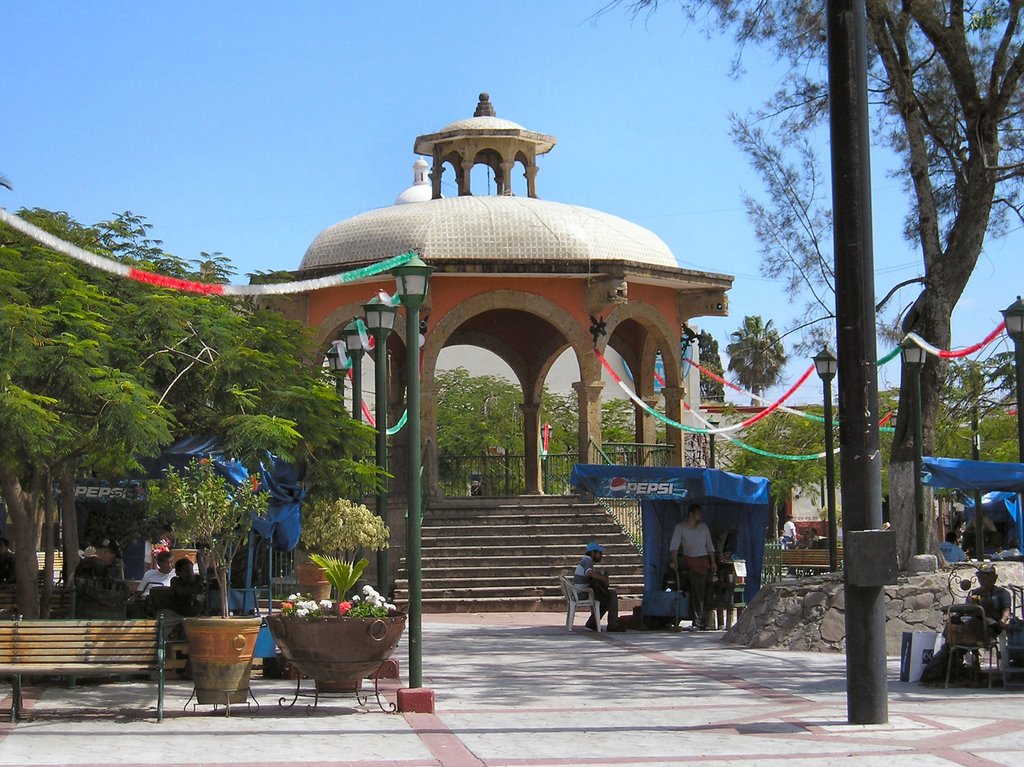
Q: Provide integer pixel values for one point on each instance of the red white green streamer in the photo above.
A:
(957, 353)
(126, 271)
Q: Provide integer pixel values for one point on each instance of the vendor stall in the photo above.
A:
(735, 508)
(1001, 483)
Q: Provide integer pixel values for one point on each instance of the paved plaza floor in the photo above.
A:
(520, 690)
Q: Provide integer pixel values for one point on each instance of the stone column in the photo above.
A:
(646, 426)
(505, 184)
(673, 436)
(531, 447)
(465, 178)
(531, 180)
(436, 172)
(588, 396)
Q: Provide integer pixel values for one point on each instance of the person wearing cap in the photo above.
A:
(588, 575)
(950, 550)
(994, 600)
(698, 558)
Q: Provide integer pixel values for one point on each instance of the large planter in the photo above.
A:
(312, 581)
(336, 652)
(220, 651)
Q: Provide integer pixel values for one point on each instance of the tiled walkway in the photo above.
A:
(520, 690)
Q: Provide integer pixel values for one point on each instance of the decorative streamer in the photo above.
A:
(683, 427)
(957, 353)
(118, 269)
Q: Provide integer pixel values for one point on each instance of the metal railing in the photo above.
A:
(626, 513)
(461, 476)
(771, 565)
(636, 453)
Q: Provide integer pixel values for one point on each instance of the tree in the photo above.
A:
(96, 372)
(947, 79)
(710, 389)
(756, 355)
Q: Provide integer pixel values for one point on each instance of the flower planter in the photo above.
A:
(337, 653)
(312, 581)
(220, 651)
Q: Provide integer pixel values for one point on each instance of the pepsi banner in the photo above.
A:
(642, 482)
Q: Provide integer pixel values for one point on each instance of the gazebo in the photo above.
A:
(522, 277)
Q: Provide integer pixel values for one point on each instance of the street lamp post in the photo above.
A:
(380, 319)
(339, 362)
(1014, 316)
(354, 344)
(826, 364)
(412, 279)
(712, 424)
(913, 360)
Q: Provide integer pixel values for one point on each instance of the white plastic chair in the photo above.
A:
(578, 596)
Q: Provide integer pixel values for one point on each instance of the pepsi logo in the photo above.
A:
(618, 485)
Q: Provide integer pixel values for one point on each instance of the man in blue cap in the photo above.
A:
(587, 575)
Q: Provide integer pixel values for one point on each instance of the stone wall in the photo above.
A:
(809, 614)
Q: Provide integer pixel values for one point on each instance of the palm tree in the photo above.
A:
(756, 355)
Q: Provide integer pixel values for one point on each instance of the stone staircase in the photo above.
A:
(505, 554)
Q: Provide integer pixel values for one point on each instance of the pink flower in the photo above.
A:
(286, 605)
(344, 607)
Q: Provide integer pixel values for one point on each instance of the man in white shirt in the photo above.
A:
(161, 576)
(789, 533)
(698, 559)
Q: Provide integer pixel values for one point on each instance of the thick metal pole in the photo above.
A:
(1018, 366)
(979, 524)
(380, 377)
(866, 699)
(711, 451)
(830, 481)
(357, 385)
(414, 493)
(920, 528)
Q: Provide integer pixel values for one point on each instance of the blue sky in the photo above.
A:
(246, 128)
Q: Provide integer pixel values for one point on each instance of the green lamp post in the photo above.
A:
(913, 360)
(354, 345)
(826, 365)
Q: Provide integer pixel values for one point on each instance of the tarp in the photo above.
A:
(961, 474)
(734, 506)
(282, 523)
(1001, 483)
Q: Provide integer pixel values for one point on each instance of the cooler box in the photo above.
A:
(916, 650)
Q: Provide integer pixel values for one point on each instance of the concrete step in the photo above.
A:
(547, 553)
(572, 530)
(514, 583)
(510, 605)
(499, 540)
(474, 569)
(577, 523)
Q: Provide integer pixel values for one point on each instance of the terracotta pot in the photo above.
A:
(220, 651)
(312, 580)
(336, 652)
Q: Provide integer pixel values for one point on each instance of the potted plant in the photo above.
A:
(338, 643)
(330, 528)
(216, 517)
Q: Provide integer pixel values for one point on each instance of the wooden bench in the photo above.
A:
(808, 559)
(79, 648)
(60, 601)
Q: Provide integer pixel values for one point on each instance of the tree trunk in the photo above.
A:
(47, 544)
(69, 525)
(26, 521)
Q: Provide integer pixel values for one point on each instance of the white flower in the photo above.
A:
(295, 597)
(302, 612)
(355, 599)
(369, 591)
(390, 606)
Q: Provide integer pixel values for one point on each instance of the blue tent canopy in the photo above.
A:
(961, 474)
(733, 505)
(282, 523)
(1001, 483)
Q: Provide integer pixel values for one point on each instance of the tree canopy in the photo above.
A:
(756, 355)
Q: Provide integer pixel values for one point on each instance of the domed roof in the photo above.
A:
(487, 229)
(420, 190)
(481, 123)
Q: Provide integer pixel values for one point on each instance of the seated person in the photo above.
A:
(182, 595)
(161, 576)
(7, 573)
(950, 551)
(588, 575)
(994, 600)
(99, 564)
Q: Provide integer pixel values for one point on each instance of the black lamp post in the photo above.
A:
(1014, 316)
(380, 319)
(712, 425)
(913, 360)
(413, 279)
(354, 345)
(826, 365)
(339, 362)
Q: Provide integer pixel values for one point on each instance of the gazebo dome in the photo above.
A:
(499, 229)
(420, 189)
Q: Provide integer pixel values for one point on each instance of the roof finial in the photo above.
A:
(484, 108)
